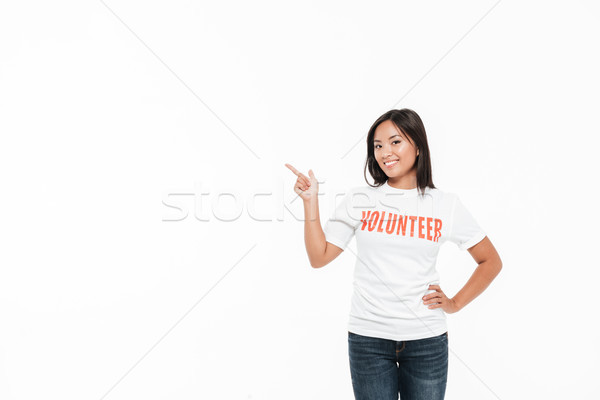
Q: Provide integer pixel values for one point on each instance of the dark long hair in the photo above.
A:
(411, 125)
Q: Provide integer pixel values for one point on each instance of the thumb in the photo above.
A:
(311, 174)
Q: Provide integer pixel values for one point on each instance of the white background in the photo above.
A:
(110, 112)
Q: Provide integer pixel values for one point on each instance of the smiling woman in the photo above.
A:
(396, 157)
(397, 330)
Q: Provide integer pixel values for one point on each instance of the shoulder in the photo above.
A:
(446, 200)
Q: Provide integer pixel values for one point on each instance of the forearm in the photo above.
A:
(481, 278)
(314, 237)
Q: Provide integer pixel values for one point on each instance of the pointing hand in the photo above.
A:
(306, 187)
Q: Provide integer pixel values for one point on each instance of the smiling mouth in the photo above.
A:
(391, 163)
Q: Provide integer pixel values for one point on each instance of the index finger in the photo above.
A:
(294, 170)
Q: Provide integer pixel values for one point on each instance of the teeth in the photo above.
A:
(391, 162)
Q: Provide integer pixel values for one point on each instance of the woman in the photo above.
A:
(397, 332)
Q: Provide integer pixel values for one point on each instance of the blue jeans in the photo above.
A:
(381, 368)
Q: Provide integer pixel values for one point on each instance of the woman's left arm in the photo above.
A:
(489, 266)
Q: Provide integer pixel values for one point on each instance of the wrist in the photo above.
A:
(311, 209)
(457, 304)
(311, 201)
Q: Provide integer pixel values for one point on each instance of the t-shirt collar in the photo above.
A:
(386, 188)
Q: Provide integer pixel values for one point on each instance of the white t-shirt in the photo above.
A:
(398, 237)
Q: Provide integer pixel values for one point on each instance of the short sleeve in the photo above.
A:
(340, 227)
(464, 229)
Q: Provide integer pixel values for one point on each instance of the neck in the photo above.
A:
(405, 183)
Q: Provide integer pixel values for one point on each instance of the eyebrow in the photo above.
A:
(390, 138)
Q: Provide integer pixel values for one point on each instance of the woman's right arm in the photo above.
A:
(320, 252)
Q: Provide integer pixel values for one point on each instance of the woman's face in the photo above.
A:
(390, 144)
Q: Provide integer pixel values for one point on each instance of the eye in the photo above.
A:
(394, 142)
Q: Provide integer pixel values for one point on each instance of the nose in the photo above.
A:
(386, 150)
